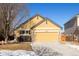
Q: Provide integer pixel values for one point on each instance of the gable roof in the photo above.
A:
(39, 22)
(29, 20)
(72, 18)
(43, 21)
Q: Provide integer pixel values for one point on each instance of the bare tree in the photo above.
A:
(11, 15)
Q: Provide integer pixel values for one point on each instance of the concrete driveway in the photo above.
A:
(65, 49)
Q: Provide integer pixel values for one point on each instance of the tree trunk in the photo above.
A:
(6, 36)
(6, 40)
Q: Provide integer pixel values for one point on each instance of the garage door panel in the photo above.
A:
(43, 36)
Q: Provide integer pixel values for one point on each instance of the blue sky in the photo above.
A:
(58, 12)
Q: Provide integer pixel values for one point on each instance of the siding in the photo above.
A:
(70, 26)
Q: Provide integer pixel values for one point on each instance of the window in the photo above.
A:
(22, 32)
(27, 32)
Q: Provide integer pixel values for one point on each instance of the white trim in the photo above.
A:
(24, 34)
(24, 29)
(47, 30)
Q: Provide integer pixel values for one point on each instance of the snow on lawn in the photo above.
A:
(16, 53)
(38, 50)
(28, 53)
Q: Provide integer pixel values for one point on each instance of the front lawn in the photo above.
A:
(16, 46)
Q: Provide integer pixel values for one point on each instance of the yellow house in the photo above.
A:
(38, 29)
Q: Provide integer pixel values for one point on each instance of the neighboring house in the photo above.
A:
(72, 27)
(39, 29)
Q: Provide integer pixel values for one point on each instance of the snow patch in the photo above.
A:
(16, 53)
(73, 46)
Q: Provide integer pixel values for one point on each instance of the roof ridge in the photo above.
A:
(30, 19)
(72, 17)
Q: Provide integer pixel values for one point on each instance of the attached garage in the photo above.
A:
(46, 36)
